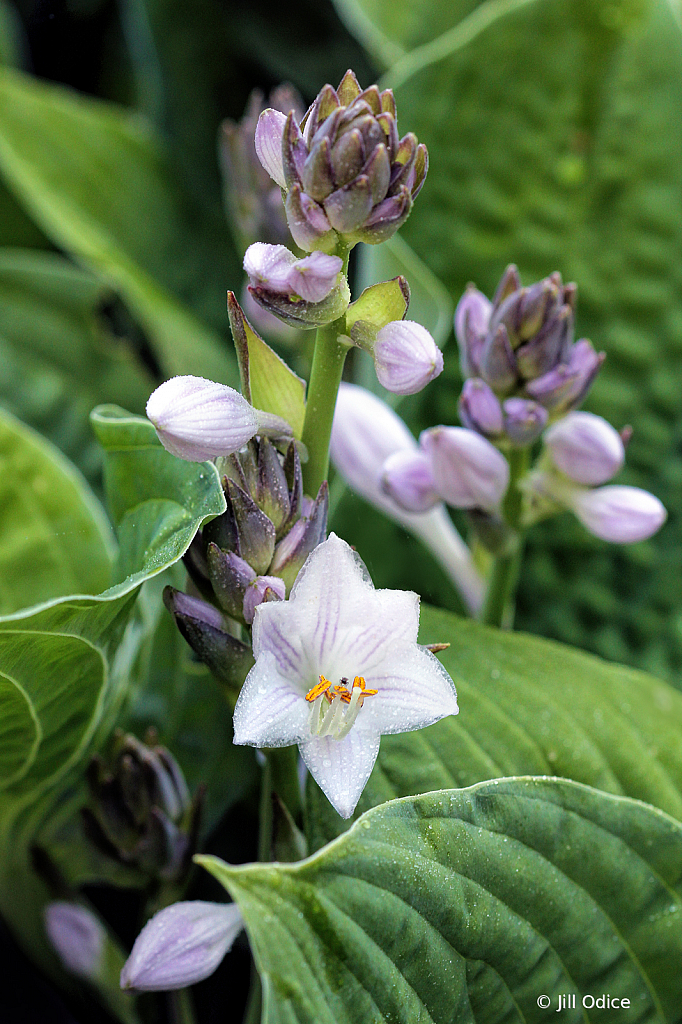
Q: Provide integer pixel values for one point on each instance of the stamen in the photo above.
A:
(318, 689)
(359, 681)
(336, 715)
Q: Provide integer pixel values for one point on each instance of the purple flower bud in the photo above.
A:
(263, 588)
(406, 357)
(230, 575)
(407, 478)
(203, 628)
(269, 132)
(77, 936)
(586, 448)
(524, 420)
(308, 222)
(197, 419)
(509, 282)
(274, 268)
(181, 945)
(472, 317)
(566, 385)
(622, 515)
(303, 537)
(498, 365)
(265, 322)
(469, 472)
(479, 408)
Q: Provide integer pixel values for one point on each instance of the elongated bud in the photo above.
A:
(407, 478)
(263, 588)
(303, 537)
(181, 945)
(472, 318)
(498, 365)
(468, 471)
(203, 628)
(197, 419)
(565, 386)
(77, 936)
(406, 357)
(480, 409)
(268, 139)
(524, 420)
(586, 448)
(275, 268)
(622, 515)
(230, 575)
(308, 223)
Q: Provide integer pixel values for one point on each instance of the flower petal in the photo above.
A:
(341, 768)
(271, 710)
(268, 141)
(414, 691)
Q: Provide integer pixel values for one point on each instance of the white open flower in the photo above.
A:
(337, 666)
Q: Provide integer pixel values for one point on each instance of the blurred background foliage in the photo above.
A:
(553, 130)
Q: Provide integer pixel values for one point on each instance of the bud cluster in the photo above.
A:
(250, 554)
(141, 812)
(347, 175)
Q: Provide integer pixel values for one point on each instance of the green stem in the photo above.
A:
(181, 1009)
(498, 607)
(252, 1013)
(325, 376)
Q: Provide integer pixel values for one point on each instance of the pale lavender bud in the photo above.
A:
(472, 317)
(181, 945)
(197, 419)
(586, 448)
(407, 478)
(469, 472)
(263, 588)
(622, 515)
(268, 140)
(269, 266)
(77, 936)
(479, 408)
(566, 385)
(276, 269)
(406, 357)
(524, 420)
(314, 276)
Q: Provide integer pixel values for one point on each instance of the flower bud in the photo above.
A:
(622, 515)
(273, 268)
(498, 365)
(586, 448)
(468, 471)
(524, 420)
(263, 588)
(304, 536)
(565, 386)
(181, 945)
(229, 575)
(479, 408)
(407, 478)
(78, 937)
(203, 627)
(268, 140)
(472, 317)
(197, 419)
(406, 357)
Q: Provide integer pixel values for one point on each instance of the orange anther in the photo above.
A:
(318, 689)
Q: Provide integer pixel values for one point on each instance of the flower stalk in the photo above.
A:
(498, 606)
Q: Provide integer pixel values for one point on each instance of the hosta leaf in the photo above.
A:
(530, 707)
(95, 179)
(389, 31)
(57, 357)
(552, 133)
(467, 905)
(55, 539)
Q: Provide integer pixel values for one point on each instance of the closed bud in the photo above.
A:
(524, 420)
(480, 409)
(255, 531)
(227, 657)
(197, 419)
(230, 575)
(408, 480)
(303, 293)
(263, 588)
(472, 318)
(586, 448)
(622, 515)
(468, 471)
(308, 223)
(304, 536)
(565, 386)
(545, 349)
(509, 282)
(268, 141)
(181, 945)
(406, 357)
(78, 937)
(498, 365)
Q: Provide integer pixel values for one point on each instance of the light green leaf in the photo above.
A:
(529, 707)
(378, 305)
(55, 539)
(157, 501)
(95, 179)
(467, 905)
(389, 30)
(57, 358)
(266, 380)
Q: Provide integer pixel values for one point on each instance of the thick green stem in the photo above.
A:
(181, 1009)
(504, 575)
(325, 376)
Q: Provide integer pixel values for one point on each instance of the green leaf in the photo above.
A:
(95, 179)
(55, 539)
(378, 305)
(389, 30)
(266, 380)
(157, 501)
(467, 905)
(552, 132)
(529, 707)
(57, 359)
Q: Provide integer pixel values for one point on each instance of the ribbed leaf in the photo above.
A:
(468, 905)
